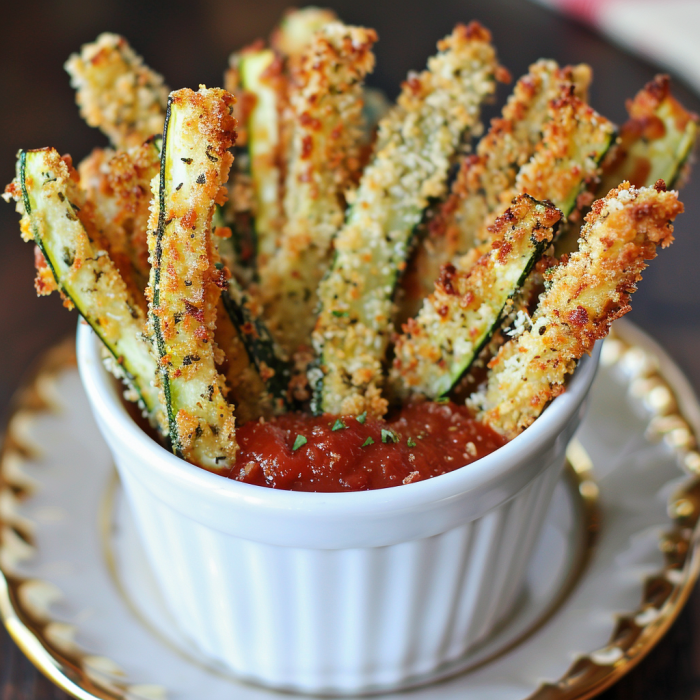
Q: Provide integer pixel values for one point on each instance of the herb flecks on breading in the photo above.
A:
(584, 295)
(116, 92)
(416, 146)
(326, 102)
(186, 283)
(459, 318)
(56, 217)
(484, 177)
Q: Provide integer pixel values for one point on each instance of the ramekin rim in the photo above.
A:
(492, 468)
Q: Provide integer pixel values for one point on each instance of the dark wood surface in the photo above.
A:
(189, 43)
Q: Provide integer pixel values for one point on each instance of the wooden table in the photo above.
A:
(191, 48)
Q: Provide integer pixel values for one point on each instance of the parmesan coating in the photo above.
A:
(186, 276)
(486, 175)
(416, 145)
(584, 295)
(458, 319)
(118, 185)
(116, 92)
(326, 100)
(56, 216)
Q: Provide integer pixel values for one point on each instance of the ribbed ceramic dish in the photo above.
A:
(340, 593)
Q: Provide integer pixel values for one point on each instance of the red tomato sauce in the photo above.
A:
(326, 453)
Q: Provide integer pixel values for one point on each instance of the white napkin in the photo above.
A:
(664, 31)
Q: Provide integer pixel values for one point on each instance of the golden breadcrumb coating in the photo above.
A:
(326, 100)
(584, 295)
(116, 92)
(186, 275)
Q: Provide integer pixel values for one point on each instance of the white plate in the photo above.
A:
(78, 597)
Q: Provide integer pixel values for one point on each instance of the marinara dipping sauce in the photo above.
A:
(326, 453)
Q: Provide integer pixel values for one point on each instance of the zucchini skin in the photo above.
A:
(55, 217)
(465, 309)
(416, 145)
(583, 296)
(116, 92)
(326, 117)
(262, 350)
(456, 225)
(186, 281)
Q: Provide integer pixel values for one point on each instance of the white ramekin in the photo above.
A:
(337, 592)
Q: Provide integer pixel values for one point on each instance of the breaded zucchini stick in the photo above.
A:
(116, 92)
(55, 217)
(655, 142)
(416, 146)
(118, 185)
(485, 176)
(265, 85)
(326, 100)
(186, 276)
(459, 318)
(584, 295)
(297, 28)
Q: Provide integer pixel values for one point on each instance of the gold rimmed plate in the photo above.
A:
(77, 596)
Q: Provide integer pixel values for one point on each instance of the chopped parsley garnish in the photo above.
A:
(338, 425)
(368, 441)
(340, 314)
(411, 442)
(299, 442)
(442, 399)
(361, 418)
(219, 265)
(389, 436)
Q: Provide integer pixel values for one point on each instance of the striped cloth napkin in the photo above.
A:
(664, 31)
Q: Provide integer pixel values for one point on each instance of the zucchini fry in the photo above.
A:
(263, 82)
(326, 100)
(584, 295)
(416, 146)
(187, 277)
(459, 318)
(55, 218)
(655, 142)
(298, 26)
(118, 185)
(116, 92)
(486, 175)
